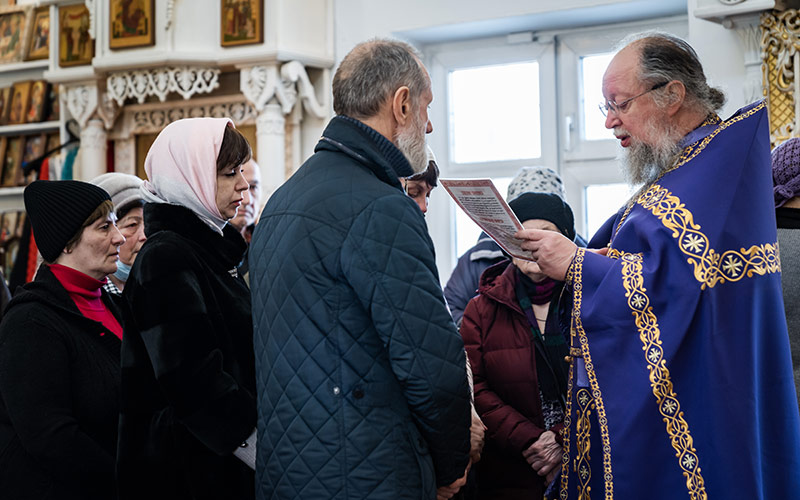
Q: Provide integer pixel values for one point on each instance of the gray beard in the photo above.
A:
(643, 163)
(412, 144)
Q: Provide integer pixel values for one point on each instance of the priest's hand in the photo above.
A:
(551, 250)
(544, 455)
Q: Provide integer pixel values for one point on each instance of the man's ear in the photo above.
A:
(676, 92)
(401, 105)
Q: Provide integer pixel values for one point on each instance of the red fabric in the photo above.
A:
(500, 347)
(85, 291)
(33, 250)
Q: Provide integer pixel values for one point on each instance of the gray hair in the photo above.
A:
(372, 72)
(664, 57)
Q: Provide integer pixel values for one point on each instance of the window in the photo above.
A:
(591, 75)
(500, 105)
(509, 129)
(603, 201)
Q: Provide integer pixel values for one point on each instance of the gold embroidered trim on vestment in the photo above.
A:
(668, 405)
(583, 444)
(692, 150)
(576, 270)
(710, 266)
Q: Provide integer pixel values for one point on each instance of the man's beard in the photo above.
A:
(643, 163)
(411, 142)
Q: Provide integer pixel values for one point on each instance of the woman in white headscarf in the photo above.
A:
(188, 381)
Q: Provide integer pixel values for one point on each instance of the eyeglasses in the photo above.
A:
(617, 108)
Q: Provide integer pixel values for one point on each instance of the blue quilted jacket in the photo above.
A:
(362, 387)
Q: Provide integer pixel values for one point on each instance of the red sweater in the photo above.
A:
(85, 291)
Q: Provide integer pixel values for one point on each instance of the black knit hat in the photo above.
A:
(545, 206)
(57, 210)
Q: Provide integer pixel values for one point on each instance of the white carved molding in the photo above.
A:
(262, 84)
(271, 121)
(93, 150)
(295, 72)
(150, 119)
(107, 110)
(125, 156)
(94, 136)
(81, 101)
(91, 4)
(170, 14)
(748, 30)
(185, 80)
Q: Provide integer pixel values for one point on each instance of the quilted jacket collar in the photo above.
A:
(367, 146)
(228, 248)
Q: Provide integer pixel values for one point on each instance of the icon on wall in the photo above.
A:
(242, 22)
(75, 46)
(20, 98)
(13, 25)
(131, 23)
(39, 45)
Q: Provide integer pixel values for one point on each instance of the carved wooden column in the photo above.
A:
(95, 114)
(275, 90)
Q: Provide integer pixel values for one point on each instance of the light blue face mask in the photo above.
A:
(123, 270)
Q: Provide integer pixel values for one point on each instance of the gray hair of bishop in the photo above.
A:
(372, 72)
(665, 57)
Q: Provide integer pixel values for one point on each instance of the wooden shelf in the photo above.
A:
(28, 128)
(24, 65)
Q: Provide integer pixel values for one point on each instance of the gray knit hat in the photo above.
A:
(123, 189)
(538, 180)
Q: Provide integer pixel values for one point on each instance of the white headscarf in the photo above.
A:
(181, 167)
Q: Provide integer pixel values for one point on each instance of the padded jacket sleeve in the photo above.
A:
(387, 257)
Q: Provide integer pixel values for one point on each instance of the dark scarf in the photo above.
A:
(551, 348)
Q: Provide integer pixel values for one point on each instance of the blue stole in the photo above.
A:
(682, 385)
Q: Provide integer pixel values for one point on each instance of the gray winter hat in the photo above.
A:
(123, 189)
(536, 179)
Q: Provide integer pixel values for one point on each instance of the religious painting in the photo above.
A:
(12, 35)
(36, 106)
(20, 224)
(131, 24)
(12, 162)
(8, 227)
(34, 149)
(75, 46)
(53, 103)
(242, 22)
(39, 45)
(20, 94)
(5, 104)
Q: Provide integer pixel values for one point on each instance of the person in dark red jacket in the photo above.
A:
(516, 344)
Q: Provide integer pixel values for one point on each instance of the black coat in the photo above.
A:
(59, 392)
(188, 379)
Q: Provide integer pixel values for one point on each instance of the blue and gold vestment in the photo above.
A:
(682, 384)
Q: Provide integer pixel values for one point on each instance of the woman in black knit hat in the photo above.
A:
(59, 352)
(516, 344)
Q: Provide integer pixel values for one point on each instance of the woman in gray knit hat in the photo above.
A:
(128, 205)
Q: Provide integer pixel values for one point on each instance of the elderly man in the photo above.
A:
(681, 382)
(361, 382)
(247, 215)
